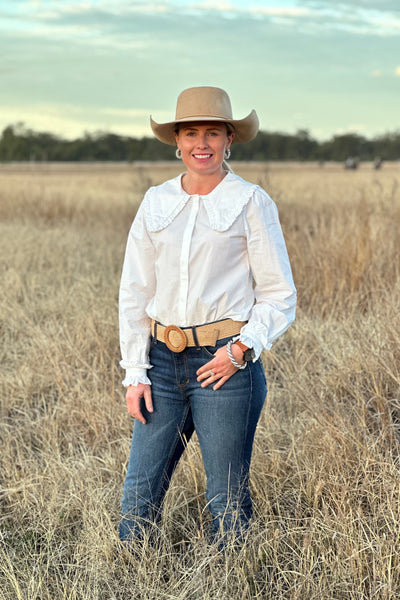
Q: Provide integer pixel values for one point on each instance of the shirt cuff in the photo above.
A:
(249, 339)
(135, 375)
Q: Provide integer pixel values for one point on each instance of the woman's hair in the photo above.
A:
(229, 128)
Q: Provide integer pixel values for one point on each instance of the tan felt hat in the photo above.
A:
(206, 104)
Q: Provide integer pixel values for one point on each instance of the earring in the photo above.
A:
(227, 154)
(178, 153)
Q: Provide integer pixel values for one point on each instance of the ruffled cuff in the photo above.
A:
(135, 375)
(249, 338)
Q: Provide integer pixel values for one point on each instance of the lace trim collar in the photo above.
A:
(224, 204)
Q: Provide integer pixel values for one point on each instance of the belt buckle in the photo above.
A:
(178, 341)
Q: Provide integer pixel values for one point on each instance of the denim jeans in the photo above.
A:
(224, 420)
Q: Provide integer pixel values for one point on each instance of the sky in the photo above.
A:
(69, 66)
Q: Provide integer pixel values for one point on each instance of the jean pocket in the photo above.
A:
(209, 351)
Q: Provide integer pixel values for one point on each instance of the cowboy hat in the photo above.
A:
(206, 104)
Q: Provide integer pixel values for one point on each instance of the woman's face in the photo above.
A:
(203, 146)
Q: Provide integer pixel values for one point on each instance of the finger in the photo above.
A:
(206, 375)
(148, 400)
(209, 378)
(136, 414)
(133, 404)
(205, 369)
(220, 383)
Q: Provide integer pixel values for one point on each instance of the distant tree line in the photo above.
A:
(18, 143)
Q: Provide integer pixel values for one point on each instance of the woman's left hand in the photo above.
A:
(220, 369)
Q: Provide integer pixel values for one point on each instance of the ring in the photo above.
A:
(212, 373)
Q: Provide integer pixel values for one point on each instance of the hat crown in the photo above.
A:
(203, 102)
(200, 104)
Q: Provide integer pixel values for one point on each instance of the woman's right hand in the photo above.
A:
(134, 395)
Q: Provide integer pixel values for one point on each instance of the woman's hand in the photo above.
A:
(134, 395)
(220, 368)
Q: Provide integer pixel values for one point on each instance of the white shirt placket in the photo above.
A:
(184, 260)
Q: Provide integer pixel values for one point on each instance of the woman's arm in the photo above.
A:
(136, 290)
(275, 294)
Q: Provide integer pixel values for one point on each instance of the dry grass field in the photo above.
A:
(325, 472)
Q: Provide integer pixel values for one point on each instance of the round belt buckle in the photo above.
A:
(175, 338)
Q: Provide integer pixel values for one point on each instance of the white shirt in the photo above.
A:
(194, 259)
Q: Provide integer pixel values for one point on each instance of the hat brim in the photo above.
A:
(245, 129)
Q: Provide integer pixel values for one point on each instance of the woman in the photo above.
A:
(206, 286)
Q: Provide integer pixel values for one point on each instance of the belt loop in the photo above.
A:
(155, 332)
(195, 338)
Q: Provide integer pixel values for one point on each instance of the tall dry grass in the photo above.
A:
(325, 473)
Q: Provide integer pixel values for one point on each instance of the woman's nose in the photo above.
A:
(202, 141)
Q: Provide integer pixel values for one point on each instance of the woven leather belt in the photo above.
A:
(177, 338)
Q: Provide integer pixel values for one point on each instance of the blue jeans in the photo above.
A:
(225, 421)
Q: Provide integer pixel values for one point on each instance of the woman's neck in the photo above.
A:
(193, 183)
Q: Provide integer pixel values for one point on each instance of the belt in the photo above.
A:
(178, 338)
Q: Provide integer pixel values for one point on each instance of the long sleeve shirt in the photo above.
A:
(195, 259)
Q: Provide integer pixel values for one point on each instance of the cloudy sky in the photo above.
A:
(69, 66)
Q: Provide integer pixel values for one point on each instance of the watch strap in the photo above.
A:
(241, 345)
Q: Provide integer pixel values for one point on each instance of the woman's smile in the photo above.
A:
(202, 156)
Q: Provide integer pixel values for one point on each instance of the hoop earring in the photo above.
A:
(178, 153)
(227, 154)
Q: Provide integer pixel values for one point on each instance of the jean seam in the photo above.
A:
(182, 385)
(246, 430)
(171, 454)
(259, 361)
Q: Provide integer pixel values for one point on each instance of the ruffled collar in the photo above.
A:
(224, 204)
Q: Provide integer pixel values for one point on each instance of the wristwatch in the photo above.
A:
(248, 353)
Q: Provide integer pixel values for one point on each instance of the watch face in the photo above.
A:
(249, 355)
